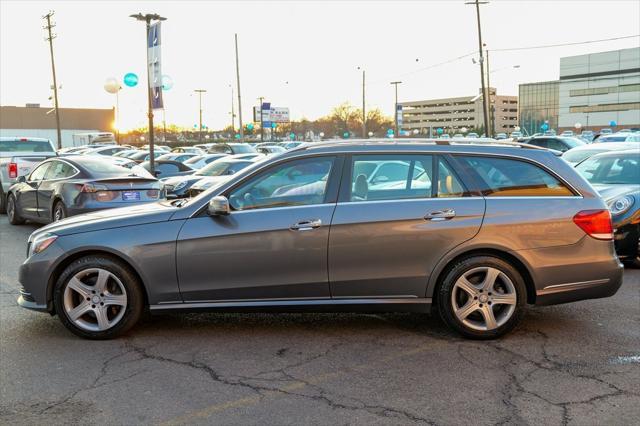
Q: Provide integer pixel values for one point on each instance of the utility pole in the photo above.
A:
(239, 97)
(395, 107)
(48, 27)
(200, 92)
(260, 99)
(147, 19)
(233, 113)
(364, 113)
(492, 109)
(484, 94)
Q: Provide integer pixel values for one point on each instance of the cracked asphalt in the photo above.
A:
(576, 364)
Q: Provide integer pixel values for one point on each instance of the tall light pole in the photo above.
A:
(50, 38)
(200, 92)
(147, 19)
(395, 107)
(364, 112)
(233, 112)
(484, 94)
(261, 99)
(239, 96)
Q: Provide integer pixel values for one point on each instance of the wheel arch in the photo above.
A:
(62, 265)
(444, 266)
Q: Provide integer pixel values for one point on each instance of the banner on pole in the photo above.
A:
(155, 69)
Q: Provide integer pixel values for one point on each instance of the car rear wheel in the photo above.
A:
(482, 297)
(59, 211)
(98, 297)
(12, 211)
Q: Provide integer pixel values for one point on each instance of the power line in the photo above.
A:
(564, 44)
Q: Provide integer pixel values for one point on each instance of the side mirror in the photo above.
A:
(22, 179)
(219, 206)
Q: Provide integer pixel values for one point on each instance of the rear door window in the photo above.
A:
(59, 170)
(502, 177)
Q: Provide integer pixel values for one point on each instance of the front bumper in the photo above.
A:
(23, 302)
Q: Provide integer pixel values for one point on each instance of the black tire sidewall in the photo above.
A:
(460, 267)
(3, 201)
(58, 204)
(15, 219)
(135, 296)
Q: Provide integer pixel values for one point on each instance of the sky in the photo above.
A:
(305, 55)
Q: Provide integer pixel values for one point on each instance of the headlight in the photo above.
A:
(40, 243)
(180, 185)
(621, 205)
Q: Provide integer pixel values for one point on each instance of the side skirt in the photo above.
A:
(302, 305)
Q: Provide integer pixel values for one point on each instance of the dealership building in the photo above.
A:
(453, 114)
(34, 121)
(594, 91)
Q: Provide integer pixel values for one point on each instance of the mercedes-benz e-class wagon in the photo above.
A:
(472, 231)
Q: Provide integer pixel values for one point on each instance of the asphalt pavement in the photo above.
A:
(575, 364)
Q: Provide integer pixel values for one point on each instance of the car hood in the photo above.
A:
(209, 181)
(111, 218)
(611, 192)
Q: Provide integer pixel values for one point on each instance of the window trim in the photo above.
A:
(479, 183)
(331, 193)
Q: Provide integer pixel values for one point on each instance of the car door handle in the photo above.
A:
(306, 225)
(439, 215)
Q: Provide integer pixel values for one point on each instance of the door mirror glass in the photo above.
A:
(219, 206)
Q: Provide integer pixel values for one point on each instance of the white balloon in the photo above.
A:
(111, 85)
(578, 125)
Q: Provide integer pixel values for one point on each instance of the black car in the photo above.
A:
(556, 143)
(232, 148)
(61, 187)
(616, 176)
(168, 168)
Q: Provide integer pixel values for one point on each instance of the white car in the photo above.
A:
(619, 137)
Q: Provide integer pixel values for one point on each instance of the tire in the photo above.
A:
(59, 211)
(482, 297)
(3, 201)
(93, 310)
(12, 211)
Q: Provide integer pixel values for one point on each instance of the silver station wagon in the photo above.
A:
(472, 231)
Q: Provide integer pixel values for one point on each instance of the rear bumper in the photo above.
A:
(94, 206)
(583, 290)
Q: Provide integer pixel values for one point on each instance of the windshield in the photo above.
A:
(243, 149)
(25, 146)
(612, 139)
(220, 168)
(573, 142)
(623, 169)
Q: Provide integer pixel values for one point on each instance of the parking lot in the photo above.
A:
(567, 364)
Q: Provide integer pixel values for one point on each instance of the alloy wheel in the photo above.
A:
(95, 299)
(11, 208)
(58, 214)
(484, 298)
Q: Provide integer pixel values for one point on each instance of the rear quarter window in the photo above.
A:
(502, 177)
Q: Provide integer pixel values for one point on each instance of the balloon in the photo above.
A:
(130, 79)
(439, 131)
(167, 82)
(112, 86)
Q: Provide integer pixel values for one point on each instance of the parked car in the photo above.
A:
(103, 150)
(168, 168)
(606, 131)
(199, 161)
(567, 133)
(217, 171)
(125, 153)
(616, 176)
(515, 135)
(141, 156)
(619, 137)
(556, 143)
(18, 157)
(500, 136)
(62, 187)
(180, 157)
(580, 153)
(188, 149)
(133, 166)
(497, 228)
(164, 148)
(293, 144)
(232, 148)
(472, 135)
(271, 150)
(587, 136)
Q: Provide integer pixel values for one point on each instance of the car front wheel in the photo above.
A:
(98, 297)
(59, 211)
(482, 297)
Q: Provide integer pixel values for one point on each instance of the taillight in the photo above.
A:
(90, 187)
(106, 195)
(596, 223)
(153, 193)
(12, 168)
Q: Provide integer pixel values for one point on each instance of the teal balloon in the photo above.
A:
(130, 79)
(273, 125)
(292, 136)
(389, 131)
(439, 131)
(250, 126)
(345, 135)
(237, 136)
(167, 82)
(195, 126)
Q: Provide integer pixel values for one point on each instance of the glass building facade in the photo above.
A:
(538, 104)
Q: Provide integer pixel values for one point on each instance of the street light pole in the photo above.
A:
(147, 19)
(484, 94)
(260, 99)
(200, 92)
(48, 27)
(364, 112)
(395, 107)
(239, 97)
